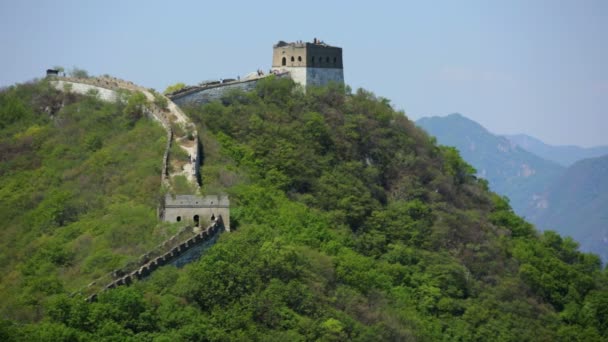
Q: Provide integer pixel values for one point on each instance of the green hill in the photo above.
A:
(349, 224)
(79, 183)
(576, 204)
(510, 170)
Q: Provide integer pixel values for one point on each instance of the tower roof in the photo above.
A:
(299, 43)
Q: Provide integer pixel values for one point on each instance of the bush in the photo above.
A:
(173, 88)
(78, 73)
(161, 101)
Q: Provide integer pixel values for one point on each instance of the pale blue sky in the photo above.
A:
(535, 67)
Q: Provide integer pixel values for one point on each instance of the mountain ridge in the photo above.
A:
(565, 155)
(570, 199)
(511, 171)
(576, 205)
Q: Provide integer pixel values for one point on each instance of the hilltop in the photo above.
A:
(350, 223)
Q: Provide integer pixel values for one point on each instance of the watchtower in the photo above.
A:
(196, 209)
(313, 63)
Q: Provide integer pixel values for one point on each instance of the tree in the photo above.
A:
(175, 87)
(12, 109)
(135, 106)
(160, 101)
(79, 73)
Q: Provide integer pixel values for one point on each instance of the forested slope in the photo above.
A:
(79, 186)
(351, 224)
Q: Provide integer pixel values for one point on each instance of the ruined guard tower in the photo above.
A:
(313, 63)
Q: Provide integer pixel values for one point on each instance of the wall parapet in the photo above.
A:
(108, 89)
(149, 265)
(165, 169)
(196, 209)
(198, 95)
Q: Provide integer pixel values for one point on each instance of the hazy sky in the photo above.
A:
(535, 67)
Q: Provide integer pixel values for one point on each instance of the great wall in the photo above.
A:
(214, 90)
(173, 120)
(179, 254)
(308, 64)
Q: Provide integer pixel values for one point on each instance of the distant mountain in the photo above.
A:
(564, 155)
(520, 175)
(572, 201)
(576, 204)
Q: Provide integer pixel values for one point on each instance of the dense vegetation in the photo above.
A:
(352, 224)
(79, 184)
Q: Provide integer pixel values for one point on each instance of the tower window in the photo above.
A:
(299, 58)
(292, 59)
(335, 60)
(284, 61)
(312, 60)
(327, 59)
(179, 218)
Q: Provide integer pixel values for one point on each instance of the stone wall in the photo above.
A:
(297, 74)
(202, 95)
(316, 55)
(314, 76)
(164, 178)
(186, 215)
(104, 94)
(107, 82)
(323, 56)
(294, 55)
(179, 255)
(195, 252)
(323, 76)
(190, 208)
(196, 95)
(213, 209)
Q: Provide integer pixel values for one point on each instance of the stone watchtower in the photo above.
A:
(196, 210)
(313, 63)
